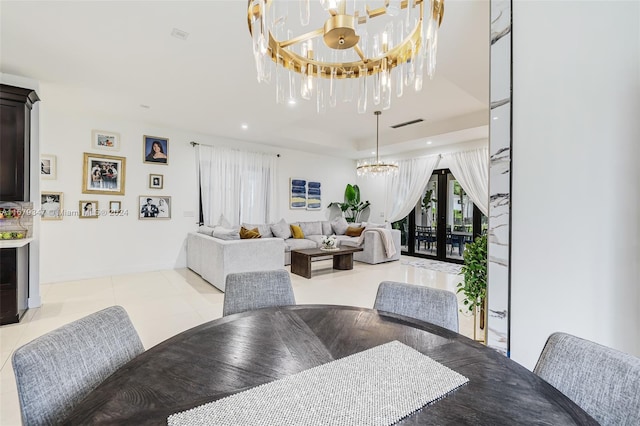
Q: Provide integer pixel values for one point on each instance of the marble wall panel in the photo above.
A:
(499, 247)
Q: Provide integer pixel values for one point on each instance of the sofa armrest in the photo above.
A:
(216, 258)
(374, 251)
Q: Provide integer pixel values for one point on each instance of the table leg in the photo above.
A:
(300, 264)
(343, 261)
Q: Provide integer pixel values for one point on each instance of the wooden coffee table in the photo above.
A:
(301, 259)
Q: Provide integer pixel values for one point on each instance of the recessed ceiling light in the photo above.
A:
(429, 142)
(144, 106)
(495, 118)
(179, 34)
(292, 102)
(245, 126)
(373, 153)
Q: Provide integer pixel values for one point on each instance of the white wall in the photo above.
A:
(75, 248)
(576, 180)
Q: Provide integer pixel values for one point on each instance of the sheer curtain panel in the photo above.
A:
(406, 187)
(239, 185)
(471, 170)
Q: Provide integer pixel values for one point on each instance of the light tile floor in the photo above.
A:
(164, 303)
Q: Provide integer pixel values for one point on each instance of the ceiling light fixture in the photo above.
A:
(359, 42)
(378, 167)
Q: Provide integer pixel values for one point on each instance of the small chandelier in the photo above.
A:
(377, 167)
(361, 40)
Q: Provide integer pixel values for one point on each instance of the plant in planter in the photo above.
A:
(352, 207)
(427, 206)
(474, 286)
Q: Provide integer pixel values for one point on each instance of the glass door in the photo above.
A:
(442, 222)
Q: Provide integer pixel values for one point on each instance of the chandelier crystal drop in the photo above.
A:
(329, 49)
(377, 167)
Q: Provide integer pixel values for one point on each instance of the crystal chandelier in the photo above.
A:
(377, 167)
(344, 43)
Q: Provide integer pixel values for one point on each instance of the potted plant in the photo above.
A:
(352, 207)
(474, 286)
(427, 205)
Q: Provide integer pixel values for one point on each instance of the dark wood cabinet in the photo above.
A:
(15, 129)
(14, 283)
(15, 156)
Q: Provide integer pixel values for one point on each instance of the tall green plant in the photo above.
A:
(474, 270)
(352, 207)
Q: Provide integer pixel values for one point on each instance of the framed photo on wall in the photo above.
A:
(154, 207)
(87, 209)
(155, 150)
(101, 139)
(103, 174)
(115, 208)
(48, 167)
(51, 205)
(156, 181)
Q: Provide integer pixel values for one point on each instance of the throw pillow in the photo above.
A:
(339, 225)
(225, 233)
(206, 230)
(297, 232)
(222, 221)
(326, 228)
(281, 229)
(249, 233)
(263, 229)
(353, 231)
(311, 228)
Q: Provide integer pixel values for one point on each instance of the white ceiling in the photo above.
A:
(122, 53)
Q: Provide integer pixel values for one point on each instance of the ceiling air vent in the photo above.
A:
(407, 123)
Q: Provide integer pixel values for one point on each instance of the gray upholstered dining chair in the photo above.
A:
(604, 382)
(246, 291)
(57, 370)
(439, 307)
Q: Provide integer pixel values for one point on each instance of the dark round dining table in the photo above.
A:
(241, 351)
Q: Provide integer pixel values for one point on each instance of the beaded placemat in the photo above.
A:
(379, 386)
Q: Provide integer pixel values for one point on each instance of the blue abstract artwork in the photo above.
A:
(298, 194)
(314, 196)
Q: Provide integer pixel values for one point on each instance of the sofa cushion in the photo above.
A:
(206, 230)
(249, 233)
(326, 228)
(296, 231)
(299, 244)
(354, 231)
(345, 241)
(311, 228)
(317, 239)
(225, 233)
(339, 225)
(263, 228)
(281, 229)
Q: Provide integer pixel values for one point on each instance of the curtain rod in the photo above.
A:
(193, 144)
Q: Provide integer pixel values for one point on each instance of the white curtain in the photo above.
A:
(238, 185)
(471, 170)
(405, 189)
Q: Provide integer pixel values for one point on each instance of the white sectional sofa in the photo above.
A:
(214, 258)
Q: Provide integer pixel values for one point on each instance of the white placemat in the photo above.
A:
(379, 386)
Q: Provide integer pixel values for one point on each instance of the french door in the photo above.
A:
(442, 222)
